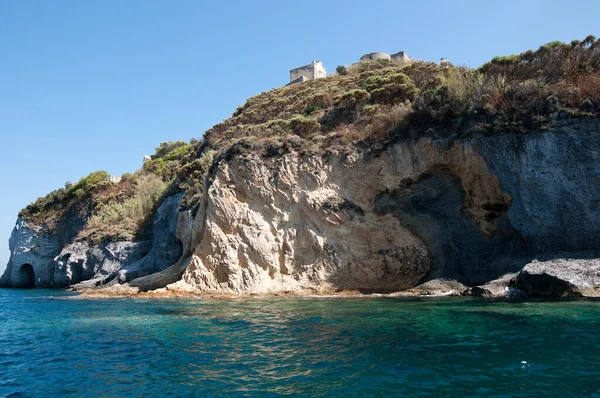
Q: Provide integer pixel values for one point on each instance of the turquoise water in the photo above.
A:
(51, 345)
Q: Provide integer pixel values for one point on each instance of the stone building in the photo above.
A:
(374, 56)
(314, 70)
(114, 179)
(401, 55)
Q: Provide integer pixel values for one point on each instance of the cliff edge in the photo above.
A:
(388, 178)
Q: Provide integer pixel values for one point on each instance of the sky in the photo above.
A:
(97, 84)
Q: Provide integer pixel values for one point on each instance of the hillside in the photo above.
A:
(362, 114)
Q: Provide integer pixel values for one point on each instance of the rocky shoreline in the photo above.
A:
(558, 278)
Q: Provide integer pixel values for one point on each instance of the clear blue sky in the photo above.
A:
(97, 84)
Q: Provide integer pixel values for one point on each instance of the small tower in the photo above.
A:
(401, 56)
(114, 179)
(314, 70)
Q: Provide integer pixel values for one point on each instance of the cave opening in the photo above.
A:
(26, 277)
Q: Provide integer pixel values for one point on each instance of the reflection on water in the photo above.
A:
(307, 347)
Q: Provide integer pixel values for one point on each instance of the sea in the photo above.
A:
(53, 344)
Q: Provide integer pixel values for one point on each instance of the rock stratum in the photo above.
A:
(469, 211)
(391, 177)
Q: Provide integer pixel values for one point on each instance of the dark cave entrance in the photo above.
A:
(26, 277)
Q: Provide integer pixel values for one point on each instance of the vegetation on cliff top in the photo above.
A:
(365, 105)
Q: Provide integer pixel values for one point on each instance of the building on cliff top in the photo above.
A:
(114, 179)
(314, 70)
(399, 56)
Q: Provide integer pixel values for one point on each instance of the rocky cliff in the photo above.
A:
(39, 255)
(415, 178)
(469, 210)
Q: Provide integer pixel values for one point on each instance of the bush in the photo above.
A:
(579, 90)
(165, 147)
(168, 158)
(319, 102)
(125, 220)
(552, 62)
(390, 88)
(341, 70)
(304, 126)
(90, 182)
(352, 100)
(387, 122)
(127, 177)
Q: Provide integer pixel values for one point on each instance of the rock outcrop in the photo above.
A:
(166, 246)
(500, 287)
(84, 265)
(472, 211)
(32, 255)
(560, 277)
(95, 265)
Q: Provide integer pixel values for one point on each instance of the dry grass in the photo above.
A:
(122, 220)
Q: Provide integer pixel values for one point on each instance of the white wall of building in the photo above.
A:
(314, 70)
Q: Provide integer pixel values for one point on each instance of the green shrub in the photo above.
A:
(551, 62)
(124, 220)
(390, 88)
(352, 100)
(165, 147)
(304, 126)
(90, 182)
(371, 109)
(341, 70)
(318, 102)
(127, 177)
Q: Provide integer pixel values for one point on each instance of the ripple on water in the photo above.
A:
(307, 347)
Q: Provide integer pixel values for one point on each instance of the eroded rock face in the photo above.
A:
(95, 265)
(469, 211)
(287, 223)
(83, 265)
(121, 262)
(552, 178)
(166, 246)
(560, 277)
(376, 224)
(30, 250)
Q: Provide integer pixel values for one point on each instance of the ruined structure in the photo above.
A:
(399, 56)
(314, 70)
(114, 179)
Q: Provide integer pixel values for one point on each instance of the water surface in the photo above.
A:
(51, 345)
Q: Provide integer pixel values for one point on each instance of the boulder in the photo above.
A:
(497, 288)
(560, 277)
